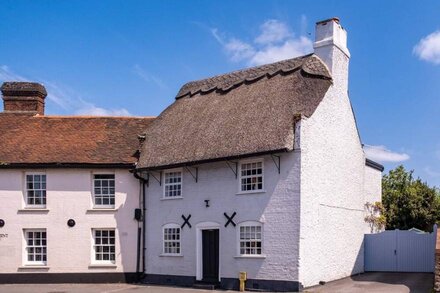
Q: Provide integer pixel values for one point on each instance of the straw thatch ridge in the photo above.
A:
(250, 111)
(225, 82)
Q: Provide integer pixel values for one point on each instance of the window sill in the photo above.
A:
(34, 210)
(102, 266)
(171, 198)
(250, 192)
(257, 256)
(33, 267)
(101, 210)
(170, 255)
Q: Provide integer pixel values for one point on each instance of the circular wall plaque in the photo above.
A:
(71, 222)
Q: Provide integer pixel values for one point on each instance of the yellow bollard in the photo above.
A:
(242, 277)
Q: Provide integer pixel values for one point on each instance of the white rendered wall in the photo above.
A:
(332, 186)
(373, 188)
(69, 250)
(277, 208)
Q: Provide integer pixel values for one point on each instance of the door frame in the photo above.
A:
(199, 244)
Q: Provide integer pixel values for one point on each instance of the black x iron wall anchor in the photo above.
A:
(186, 221)
(230, 219)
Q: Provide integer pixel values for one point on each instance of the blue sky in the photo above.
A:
(131, 57)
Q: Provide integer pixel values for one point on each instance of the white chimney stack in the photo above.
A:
(331, 46)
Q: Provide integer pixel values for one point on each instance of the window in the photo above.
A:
(36, 246)
(250, 239)
(104, 245)
(171, 239)
(104, 190)
(173, 184)
(36, 190)
(251, 176)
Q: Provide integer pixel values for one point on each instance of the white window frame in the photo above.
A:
(95, 245)
(165, 184)
(171, 226)
(250, 161)
(26, 190)
(103, 206)
(41, 246)
(239, 240)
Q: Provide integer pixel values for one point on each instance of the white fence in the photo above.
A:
(400, 251)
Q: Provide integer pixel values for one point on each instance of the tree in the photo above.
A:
(409, 202)
(375, 216)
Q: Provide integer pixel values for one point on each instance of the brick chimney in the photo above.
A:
(23, 97)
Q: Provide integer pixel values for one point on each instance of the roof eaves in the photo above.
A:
(4, 165)
(213, 160)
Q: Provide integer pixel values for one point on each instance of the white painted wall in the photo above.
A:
(277, 208)
(332, 182)
(68, 197)
(372, 188)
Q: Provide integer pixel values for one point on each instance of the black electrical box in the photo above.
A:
(138, 214)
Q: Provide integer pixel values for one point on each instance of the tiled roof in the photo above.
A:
(63, 140)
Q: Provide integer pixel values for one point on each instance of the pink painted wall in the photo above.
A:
(69, 196)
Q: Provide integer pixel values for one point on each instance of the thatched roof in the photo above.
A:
(245, 112)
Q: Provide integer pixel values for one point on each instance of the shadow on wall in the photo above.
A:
(359, 262)
(127, 229)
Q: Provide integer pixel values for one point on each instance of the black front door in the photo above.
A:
(210, 255)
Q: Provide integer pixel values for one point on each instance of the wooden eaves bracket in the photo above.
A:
(277, 161)
(194, 175)
(234, 169)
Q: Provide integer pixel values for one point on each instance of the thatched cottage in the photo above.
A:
(260, 171)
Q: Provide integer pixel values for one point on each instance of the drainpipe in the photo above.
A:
(141, 234)
(144, 212)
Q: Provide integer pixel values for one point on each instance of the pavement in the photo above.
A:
(368, 282)
(379, 282)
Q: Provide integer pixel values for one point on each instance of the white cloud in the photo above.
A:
(63, 96)
(148, 77)
(290, 48)
(92, 110)
(272, 31)
(239, 50)
(428, 48)
(381, 154)
(274, 43)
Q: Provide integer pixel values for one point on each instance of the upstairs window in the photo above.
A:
(173, 184)
(251, 176)
(104, 190)
(36, 190)
(36, 246)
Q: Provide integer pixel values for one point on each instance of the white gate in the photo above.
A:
(400, 251)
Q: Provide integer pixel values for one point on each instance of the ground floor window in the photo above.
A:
(171, 239)
(104, 245)
(36, 246)
(250, 238)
